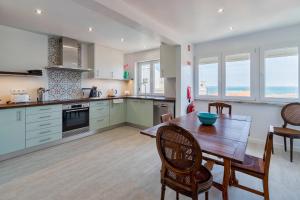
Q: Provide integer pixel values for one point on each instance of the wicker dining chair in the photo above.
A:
(257, 167)
(181, 158)
(290, 114)
(166, 117)
(219, 107)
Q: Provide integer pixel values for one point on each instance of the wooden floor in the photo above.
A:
(120, 164)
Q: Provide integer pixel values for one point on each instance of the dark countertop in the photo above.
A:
(45, 103)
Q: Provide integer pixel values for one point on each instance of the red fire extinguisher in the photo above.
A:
(191, 106)
(189, 93)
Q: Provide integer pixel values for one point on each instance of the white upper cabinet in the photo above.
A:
(108, 63)
(168, 61)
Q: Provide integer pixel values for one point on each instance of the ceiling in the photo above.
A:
(144, 24)
(71, 19)
(199, 20)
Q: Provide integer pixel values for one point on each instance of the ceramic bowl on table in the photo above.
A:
(207, 118)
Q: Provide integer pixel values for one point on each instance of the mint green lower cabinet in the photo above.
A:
(43, 139)
(117, 112)
(43, 124)
(99, 115)
(140, 112)
(12, 130)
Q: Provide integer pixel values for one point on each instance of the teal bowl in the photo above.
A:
(207, 118)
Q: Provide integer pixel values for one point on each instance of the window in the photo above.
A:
(281, 73)
(149, 80)
(208, 70)
(238, 75)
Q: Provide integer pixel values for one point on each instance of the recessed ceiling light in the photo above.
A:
(90, 29)
(38, 11)
(230, 28)
(220, 10)
(122, 39)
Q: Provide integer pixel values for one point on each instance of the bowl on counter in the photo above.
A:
(207, 118)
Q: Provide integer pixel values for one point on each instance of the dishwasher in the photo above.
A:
(160, 108)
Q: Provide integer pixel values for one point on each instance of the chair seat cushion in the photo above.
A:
(288, 132)
(204, 179)
(250, 164)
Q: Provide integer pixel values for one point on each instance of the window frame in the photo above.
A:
(262, 73)
(253, 95)
(208, 97)
(139, 81)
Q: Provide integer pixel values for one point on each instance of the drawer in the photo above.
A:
(99, 103)
(43, 124)
(43, 139)
(43, 117)
(99, 111)
(99, 123)
(45, 131)
(43, 109)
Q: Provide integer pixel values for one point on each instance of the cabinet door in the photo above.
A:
(145, 113)
(117, 113)
(12, 130)
(108, 63)
(168, 61)
(140, 112)
(132, 111)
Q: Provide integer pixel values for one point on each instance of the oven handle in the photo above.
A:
(68, 111)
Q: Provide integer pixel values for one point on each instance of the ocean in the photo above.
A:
(274, 91)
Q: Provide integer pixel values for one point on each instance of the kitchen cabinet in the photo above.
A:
(108, 63)
(99, 115)
(43, 124)
(168, 61)
(12, 131)
(140, 112)
(117, 114)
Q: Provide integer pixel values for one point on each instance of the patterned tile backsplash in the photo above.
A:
(64, 84)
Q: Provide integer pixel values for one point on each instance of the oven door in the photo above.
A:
(75, 119)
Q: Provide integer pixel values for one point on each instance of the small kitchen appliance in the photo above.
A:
(42, 94)
(19, 96)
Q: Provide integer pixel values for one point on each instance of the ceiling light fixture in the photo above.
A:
(90, 29)
(122, 39)
(38, 11)
(220, 10)
(230, 28)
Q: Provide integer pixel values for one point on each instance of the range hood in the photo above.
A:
(66, 53)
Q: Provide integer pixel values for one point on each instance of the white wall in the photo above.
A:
(184, 75)
(133, 58)
(263, 115)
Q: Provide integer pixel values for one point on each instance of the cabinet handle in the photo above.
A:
(43, 109)
(45, 124)
(44, 132)
(99, 109)
(100, 120)
(44, 140)
(45, 116)
(19, 116)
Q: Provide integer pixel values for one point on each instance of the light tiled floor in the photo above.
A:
(121, 164)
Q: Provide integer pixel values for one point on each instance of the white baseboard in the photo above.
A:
(276, 144)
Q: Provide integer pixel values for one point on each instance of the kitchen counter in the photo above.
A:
(44, 103)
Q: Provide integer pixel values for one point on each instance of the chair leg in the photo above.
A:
(206, 195)
(177, 196)
(233, 180)
(272, 146)
(291, 146)
(195, 197)
(163, 189)
(284, 139)
(266, 188)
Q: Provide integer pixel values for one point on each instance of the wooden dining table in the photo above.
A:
(226, 139)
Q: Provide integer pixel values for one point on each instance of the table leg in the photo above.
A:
(226, 178)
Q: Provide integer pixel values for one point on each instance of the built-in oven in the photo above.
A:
(75, 118)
